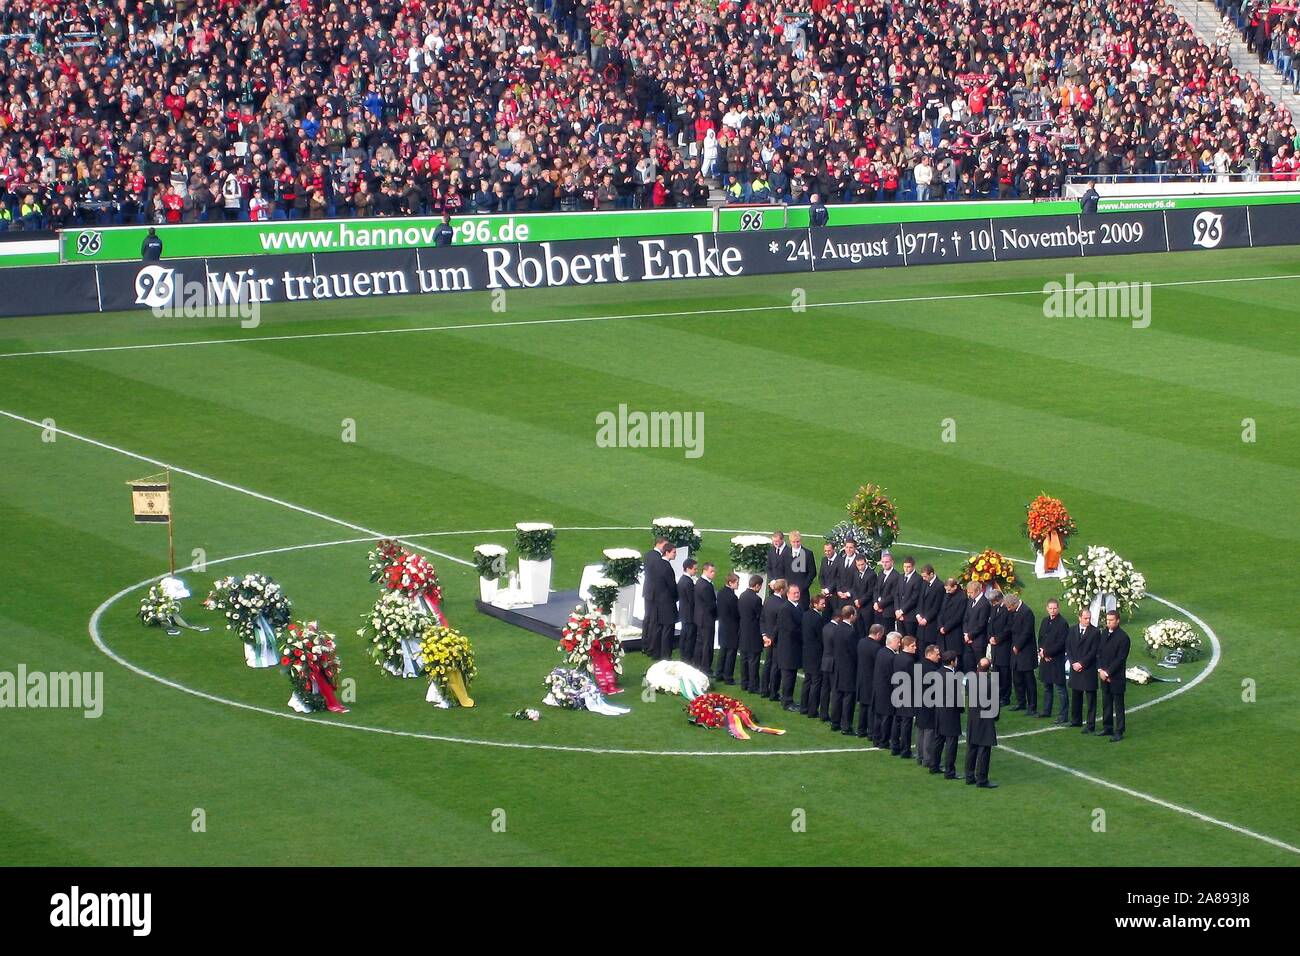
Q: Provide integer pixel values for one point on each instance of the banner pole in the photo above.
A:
(171, 511)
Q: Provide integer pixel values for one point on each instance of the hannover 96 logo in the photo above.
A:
(1207, 230)
(154, 286)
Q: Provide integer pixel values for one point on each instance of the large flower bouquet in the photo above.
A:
(160, 609)
(873, 514)
(448, 664)
(717, 710)
(397, 569)
(622, 565)
(589, 642)
(749, 553)
(574, 690)
(680, 532)
(535, 541)
(257, 610)
(393, 628)
(1045, 516)
(676, 677)
(990, 569)
(1099, 572)
(310, 658)
(1167, 635)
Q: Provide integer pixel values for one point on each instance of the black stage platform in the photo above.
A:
(546, 619)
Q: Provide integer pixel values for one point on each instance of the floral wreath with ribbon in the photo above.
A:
(309, 656)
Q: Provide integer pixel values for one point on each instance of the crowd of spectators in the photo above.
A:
(201, 110)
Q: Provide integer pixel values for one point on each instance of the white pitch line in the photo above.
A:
(218, 482)
(244, 340)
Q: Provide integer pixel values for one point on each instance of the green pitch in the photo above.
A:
(490, 418)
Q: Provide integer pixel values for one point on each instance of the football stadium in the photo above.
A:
(657, 433)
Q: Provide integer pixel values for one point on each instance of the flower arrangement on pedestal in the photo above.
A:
(1167, 635)
(393, 629)
(397, 569)
(749, 553)
(160, 609)
(1100, 579)
(603, 592)
(490, 561)
(448, 665)
(257, 610)
(535, 540)
(589, 642)
(622, 565)
(680, 532)
(1048, 525)
(990, 569)
(874, 516)
(717, 710)
(310, 658)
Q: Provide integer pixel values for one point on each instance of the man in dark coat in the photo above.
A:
(706, 618)
(686, 610)
(1052, 634)
(1081, 648)
(881, 704)
(770, 680)
(839, 616)
(862, 591)
(776, 556)
(999, 649)
(868, 650)
(1024, 654)
(828, 574)
(749, 607)
(908, 600)
(948, 722)
(981, 729)
(844, 574)
(815, 620)
(799, 568)
(664, 599)
(844, 652)
(929, 608)
(885, 602)
(951, 617)
(728, 631)
(789, 645)
(1112, 662)
(974, 626)
(900, 743)
(649, 582)
(927, 715)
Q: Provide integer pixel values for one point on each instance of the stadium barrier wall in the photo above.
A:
(224, 281)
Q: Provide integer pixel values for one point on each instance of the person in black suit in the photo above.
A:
(862, 591)
(728, 631)
(947, 723)
(927, 714)
(868, 650)
(829, 572)
(1052, 635)
(908, 598)
(776, 556)
(749, 607)
(837, 617)
(844, 654)
(928, 609)
(815, 620)
(649, 581)
(1081, 648)
(981, 729)
(799, 568)
(1112, 662)
(686, 610)
(951, 617)
(664, 599)
(769, 682)
(882, 705)
(974, 626)
(900, 744)
(999, 648)
(706, 618)
(844, 573)
(789, 645)
(1024, 654)
(886, 599)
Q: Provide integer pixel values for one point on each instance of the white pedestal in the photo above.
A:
(1040, 573)
(743, 584)
(535, 579)
(487, 590)
(623, 605)
(590, 573)
(678, 560)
